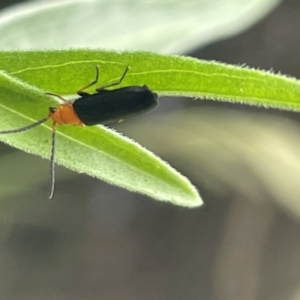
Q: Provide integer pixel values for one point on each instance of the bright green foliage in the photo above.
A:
(101, 152)
(64, 72)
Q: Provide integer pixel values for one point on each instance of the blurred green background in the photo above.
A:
(96, 241)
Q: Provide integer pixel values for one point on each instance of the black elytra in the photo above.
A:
(106, 106)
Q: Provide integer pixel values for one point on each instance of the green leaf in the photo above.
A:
(101, 152)
(168, 26)
(64, 72)
(97, 151)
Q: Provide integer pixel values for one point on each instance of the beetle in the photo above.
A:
(102, 107)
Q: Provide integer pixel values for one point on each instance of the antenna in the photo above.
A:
(52, 163)
(37, 123)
